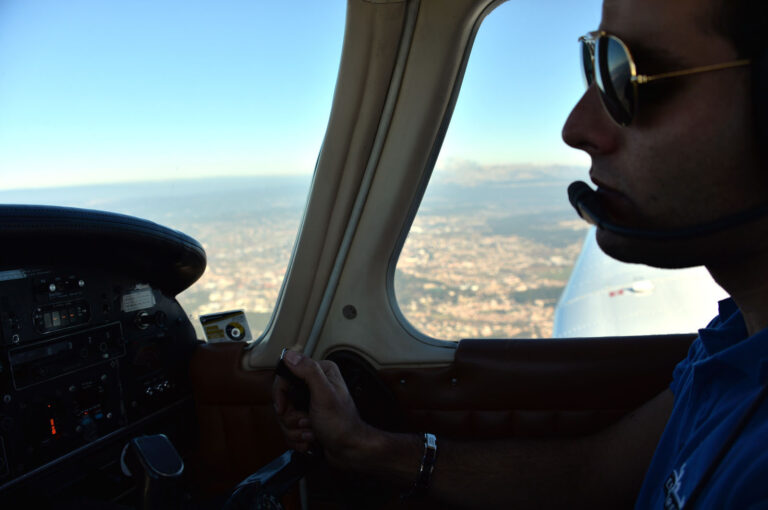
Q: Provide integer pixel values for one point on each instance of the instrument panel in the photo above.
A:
(84, 354)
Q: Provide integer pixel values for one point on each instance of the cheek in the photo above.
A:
(696, 164)
(663, 172)
(736, 177)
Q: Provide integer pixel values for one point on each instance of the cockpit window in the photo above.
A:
(496, 250)
(495, 239)
(206, 117)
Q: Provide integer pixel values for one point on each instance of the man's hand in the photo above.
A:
(332, 420)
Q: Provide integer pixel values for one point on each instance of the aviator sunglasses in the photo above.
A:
(607, 62)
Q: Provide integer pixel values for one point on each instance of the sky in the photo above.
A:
(95, 91)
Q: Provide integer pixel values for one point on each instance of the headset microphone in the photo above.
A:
(585, 200)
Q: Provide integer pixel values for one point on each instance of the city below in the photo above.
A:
(487, 256)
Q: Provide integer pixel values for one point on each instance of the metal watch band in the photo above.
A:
(426, 468)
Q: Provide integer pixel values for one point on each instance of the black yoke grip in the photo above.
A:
(298, 391)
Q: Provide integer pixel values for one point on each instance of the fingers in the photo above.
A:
(295, 424)
(294, 419)
(297, 429)
(279, 395)
(333, 420)
(298, 436)
(301, 443)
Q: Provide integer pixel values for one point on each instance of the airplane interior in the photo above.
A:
(102, 373)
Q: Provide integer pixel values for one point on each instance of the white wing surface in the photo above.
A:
(605, 297)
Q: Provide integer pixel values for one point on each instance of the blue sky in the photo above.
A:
(100, 91)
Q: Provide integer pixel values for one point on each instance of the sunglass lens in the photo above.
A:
(588, 61)
(614, 78)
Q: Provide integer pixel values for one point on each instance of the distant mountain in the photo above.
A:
(457, 187)
(472, 174)
(466, 187)
(168, 201)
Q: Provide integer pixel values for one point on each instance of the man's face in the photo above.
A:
(689, 156)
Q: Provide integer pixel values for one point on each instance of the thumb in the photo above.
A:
(333, 374)
(307, 369)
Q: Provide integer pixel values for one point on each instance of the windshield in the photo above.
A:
(203, 116)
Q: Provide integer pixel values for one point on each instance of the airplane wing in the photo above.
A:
(605, 297)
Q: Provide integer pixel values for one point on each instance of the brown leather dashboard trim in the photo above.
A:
(218, 377)
(542, 387)
(238, 428)
(563, 374)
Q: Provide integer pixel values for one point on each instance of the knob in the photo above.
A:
(143, 320)
(160, 318)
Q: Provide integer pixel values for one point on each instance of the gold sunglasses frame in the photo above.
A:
(591, 39)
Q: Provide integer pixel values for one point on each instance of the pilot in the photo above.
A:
(675, 120)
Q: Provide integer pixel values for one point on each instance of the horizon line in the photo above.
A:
(22, 188)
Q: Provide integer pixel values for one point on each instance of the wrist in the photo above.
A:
(355, 449)
(393, 456)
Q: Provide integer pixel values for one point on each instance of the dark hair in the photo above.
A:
(745, 22)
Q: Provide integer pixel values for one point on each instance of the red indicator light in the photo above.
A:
(53, 427)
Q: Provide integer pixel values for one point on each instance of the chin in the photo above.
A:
(665, 254)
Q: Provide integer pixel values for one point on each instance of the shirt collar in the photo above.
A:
(726, 339)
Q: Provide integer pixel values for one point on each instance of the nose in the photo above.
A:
(589, 127)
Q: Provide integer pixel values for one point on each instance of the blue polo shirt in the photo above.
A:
(714, 388)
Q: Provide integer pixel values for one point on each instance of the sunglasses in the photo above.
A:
(608, 63)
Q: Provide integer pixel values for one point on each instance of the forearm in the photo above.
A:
(386, 455)
(602, 470)
(605, 469)
(548, 473)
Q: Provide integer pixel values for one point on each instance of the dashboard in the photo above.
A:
(94, 348)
